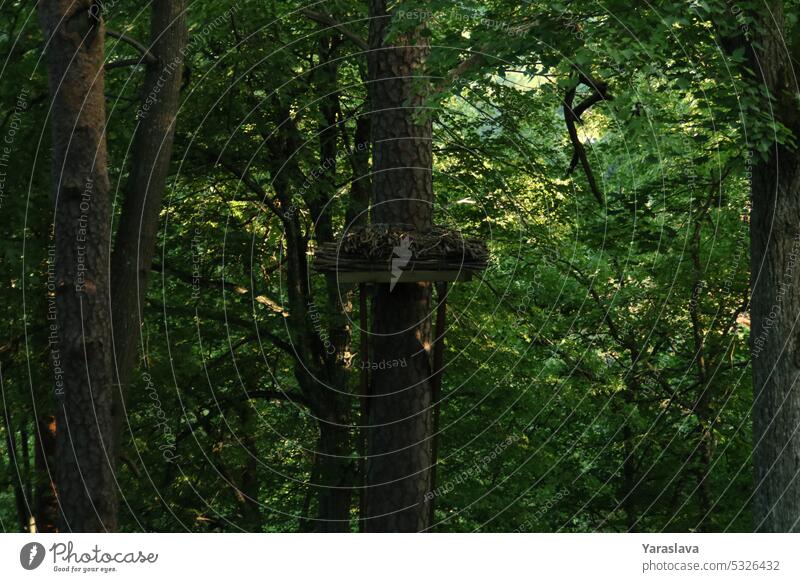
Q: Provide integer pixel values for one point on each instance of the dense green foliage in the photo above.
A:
(597, 377)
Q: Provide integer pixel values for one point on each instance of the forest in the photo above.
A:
(399, 266)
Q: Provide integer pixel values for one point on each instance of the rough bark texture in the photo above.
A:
(399, 448)
(138, 228)
(44, 460)
(74, 34)
(775, 264)
(402, 188)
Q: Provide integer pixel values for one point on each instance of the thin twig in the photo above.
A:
(148, 56)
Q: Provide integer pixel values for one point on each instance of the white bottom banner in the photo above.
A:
(390, 557)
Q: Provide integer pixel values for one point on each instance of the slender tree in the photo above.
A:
(74, 36)
(135, 240)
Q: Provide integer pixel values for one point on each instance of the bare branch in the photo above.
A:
(577, 145)
(121, 36)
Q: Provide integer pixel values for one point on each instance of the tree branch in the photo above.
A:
(248, 180)
(124, 63)
(457, 71)
(327, 20)
(146, 54)
(570, 118)
(230, 286)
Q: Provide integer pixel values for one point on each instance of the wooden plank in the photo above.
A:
(405, 277)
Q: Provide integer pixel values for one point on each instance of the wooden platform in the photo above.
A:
(370, 254)
(385, 276)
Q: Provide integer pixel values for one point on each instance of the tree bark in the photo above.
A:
(775, 283)
(319, 367)
(136, 235)
(399, 448)
(703, 452)
(336, 467)
(335, 478)
(74, 31)
(44, 462)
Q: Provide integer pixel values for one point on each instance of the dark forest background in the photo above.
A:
(598, 376)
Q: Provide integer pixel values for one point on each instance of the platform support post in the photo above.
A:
(436, 384)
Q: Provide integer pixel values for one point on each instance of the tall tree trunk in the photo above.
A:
(775, 307)
(336, 467)
(44, 462)
(138, 227)
(629, 479)
(336, 477)
(399, 449)
(74, 31)
(321, 375)
(702, 406)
